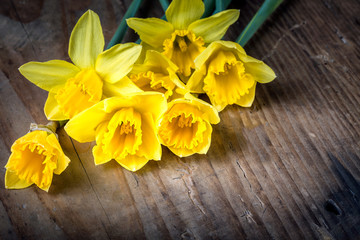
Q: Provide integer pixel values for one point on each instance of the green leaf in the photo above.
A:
(164, 4)
(120, 32)
(268, 7)
(221, 5)
(209, 8)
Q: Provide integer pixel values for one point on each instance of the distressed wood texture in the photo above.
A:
(286, 168)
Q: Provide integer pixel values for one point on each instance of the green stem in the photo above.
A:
(120, 32)
(164, 4)
(53, 126)
(62, 123)
(268, 7)
(209, 7)
(221, 5)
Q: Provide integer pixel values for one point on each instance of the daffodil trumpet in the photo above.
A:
(228, 75)
(124, 128)
(94, 74)
(185, 127)
(35, 158)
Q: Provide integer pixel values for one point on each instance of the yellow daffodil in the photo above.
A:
(227, 75)
(124, 128)
(156, 73)
(184, 35)
(34, 159)
(95, 73)
(186, 126)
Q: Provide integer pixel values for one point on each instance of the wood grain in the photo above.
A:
(286, 168)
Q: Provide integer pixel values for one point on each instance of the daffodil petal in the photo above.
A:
(196, 83)
(232, 45)
(200, 149)
(145, 48)
(155, 59)
(12, 181)
(213, 47)
(205, 55)
(83, 126)
(181, 152)
(63, 160)
(100, 157)
(52, 109)
(261, 72)
(152, 31)
(114, 64)
(120, 88)
(183, 12)
(50, 75)
(213, 28)
(150, 147)
(152, 102)
(247, 99)
(204, 148)
(210, 113)
(133, 162)
(86, 40)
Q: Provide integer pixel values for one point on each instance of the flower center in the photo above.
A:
(181, 43)
(80, 92)
(123, 135)
(182, 48)
(227, 68)
(183, 121)
(150, 81)
(126, 128)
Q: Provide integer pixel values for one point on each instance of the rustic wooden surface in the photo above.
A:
(287, 168)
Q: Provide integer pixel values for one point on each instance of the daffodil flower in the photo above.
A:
(157, 73)
(34, 159)
(124, 129)
(184, 35)
(94, 74)
(227, 75)
(186, 126)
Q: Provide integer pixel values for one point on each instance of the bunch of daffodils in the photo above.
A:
(131, 98)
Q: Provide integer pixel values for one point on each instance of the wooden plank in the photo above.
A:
(7, 230)
(286, 168)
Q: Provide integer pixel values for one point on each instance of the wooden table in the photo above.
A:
(286, 168)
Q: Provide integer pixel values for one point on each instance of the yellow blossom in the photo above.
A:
(227, 75)
(95, 74)
(184, 35)
(34, 159)
(157, 73)
(186, 126)
(124, 128)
